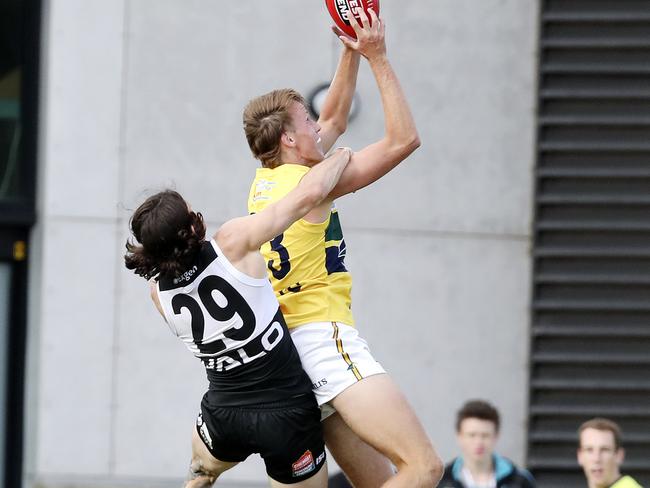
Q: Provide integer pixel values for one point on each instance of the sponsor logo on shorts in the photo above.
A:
(319, 383)
(203, 431)
(303, 465)
(320, 458)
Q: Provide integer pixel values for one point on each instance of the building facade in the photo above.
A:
(139, 95)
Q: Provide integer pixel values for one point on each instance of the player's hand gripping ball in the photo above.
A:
(343, 10)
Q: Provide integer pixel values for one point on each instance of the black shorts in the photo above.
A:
(287, 435)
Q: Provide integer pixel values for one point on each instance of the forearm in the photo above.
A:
(339, 96)
(333, 117)
(399, 141)
(400, 138)
(398, 120)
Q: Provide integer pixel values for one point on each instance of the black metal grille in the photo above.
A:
(591, 293)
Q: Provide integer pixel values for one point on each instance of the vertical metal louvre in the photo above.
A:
(591, 293)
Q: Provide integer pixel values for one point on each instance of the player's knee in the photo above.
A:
(433, 469)
(426, 469)
(200, 475)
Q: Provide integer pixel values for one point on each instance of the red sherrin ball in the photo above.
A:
(339, 10)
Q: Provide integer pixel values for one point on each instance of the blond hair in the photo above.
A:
(265, 119)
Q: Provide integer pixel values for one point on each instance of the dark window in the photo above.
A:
(19, 60)
(19, 50)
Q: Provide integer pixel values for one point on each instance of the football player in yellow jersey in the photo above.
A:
(373, 422)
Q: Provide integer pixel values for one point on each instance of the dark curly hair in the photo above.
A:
(169, 236)
(478, 409)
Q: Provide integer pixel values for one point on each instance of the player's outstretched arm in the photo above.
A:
(400, 133)
(245, 234)
(333, 118)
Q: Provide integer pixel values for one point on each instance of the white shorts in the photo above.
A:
(334, 357)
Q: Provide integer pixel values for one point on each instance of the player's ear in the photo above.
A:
(287, 140)
(620, 455)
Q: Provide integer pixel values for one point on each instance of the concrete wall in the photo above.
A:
(142, 94)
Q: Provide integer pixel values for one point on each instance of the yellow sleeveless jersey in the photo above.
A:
(306, 262)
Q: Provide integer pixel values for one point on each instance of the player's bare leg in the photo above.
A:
(378, 413)
(319, 480)
(362, 464)
(204, 468)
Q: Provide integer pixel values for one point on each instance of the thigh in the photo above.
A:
(362, 464)
(378, 413)
(223, 432)
(204, 468)
(291, 442)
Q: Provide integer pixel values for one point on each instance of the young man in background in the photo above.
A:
(479, 466)
(600, 455)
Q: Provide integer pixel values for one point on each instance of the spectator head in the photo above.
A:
(599, 452)
(477, 430)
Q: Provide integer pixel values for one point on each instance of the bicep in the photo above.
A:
(366, 166)
(254, 230)
(273, 220)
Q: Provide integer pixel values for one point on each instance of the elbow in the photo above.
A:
(340, 126)
(407, 145)
(413, 143)
(336, 126)
(315, 195)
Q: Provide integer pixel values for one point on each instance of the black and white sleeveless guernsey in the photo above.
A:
(233, 323)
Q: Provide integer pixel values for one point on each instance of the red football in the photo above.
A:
(340, 9)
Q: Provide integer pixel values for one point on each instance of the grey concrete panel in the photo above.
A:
(176, 76)
(82, 107)
(75, 366)
(184, 108)
(190, 74)
(447, 316)
(468, 70)
(159, 385)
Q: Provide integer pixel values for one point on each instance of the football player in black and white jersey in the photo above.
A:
(216, 297)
